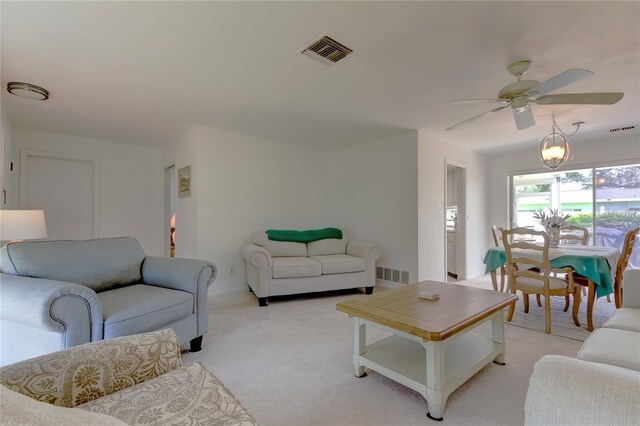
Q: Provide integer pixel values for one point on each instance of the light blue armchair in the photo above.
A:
(59, 294)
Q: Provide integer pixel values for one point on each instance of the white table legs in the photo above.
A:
(465, 354)
(436, 379)
(497, 331)
(359, 345)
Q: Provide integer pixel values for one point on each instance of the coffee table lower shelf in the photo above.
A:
(404, 360)
(433, 368)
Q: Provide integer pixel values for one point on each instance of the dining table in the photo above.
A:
(596, 263)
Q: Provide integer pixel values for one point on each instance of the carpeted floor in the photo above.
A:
(291, 364)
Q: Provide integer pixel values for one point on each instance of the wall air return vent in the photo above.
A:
(326, 50)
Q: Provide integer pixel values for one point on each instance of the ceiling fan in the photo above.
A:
(521, 94)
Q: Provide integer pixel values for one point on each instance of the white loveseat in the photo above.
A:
(276, 268)
(602, 386)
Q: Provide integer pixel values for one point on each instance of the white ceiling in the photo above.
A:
(143, 72)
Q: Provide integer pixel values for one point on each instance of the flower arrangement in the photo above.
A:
(554, 219)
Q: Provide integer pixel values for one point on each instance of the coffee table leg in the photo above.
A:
(497, 327)
(359, 345)
(435, 379)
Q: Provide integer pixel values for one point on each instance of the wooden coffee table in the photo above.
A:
(430, 350)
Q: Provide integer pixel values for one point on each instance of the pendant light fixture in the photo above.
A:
(28, 91)
(554, 148)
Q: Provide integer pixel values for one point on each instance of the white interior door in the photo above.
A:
(65, 188)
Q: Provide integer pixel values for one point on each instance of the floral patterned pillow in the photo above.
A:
(76, 375)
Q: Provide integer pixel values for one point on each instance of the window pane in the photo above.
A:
(569, 192)
(618, 206)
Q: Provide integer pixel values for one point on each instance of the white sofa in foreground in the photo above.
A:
(602, 386)
(276, 268)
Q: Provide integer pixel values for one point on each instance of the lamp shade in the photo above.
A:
(22, 225)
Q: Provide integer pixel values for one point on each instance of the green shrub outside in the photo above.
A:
(624, 220)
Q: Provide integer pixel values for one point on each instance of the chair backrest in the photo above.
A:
(496, 231)
(100, 264)
(574, 232)
(625, 255)
(512, 245)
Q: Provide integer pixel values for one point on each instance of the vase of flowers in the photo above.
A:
(552, 223)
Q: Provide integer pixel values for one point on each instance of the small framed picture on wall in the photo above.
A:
(184, 181)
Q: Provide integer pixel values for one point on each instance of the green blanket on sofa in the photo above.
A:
(303, 236)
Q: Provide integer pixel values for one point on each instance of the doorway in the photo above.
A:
(65, 187)
(170, 201)
(455, 221)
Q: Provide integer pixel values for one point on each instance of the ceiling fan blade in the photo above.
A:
(464, 101)
(560, 80)
(524, 119)
(476, 117)
(609, 98)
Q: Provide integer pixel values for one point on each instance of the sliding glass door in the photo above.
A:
(605, 200)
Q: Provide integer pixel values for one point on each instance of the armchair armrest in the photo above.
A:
(190, 275)
(631, 288)
(569, 271)
(370, 253)
(258, 256)
(259, 265)
(76, 375)
(367, 251)
(67, 308)
(561, 387)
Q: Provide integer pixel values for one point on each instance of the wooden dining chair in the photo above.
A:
(496, 231)
(570, 233)
(623, 262)
(529, 281)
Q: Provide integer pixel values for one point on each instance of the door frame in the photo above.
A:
(170, 192)
(461, 226)
(25, 154)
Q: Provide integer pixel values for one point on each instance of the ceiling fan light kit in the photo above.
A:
(28, 91)
(521, 94)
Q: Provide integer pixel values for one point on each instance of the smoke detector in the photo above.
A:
(326, 50)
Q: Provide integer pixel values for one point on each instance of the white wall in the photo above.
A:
(431, 206)
(374, 195)
(242, 184)
(586, 152)
(131, 182)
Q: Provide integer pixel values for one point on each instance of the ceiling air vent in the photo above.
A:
(620, 129)
(326, 50)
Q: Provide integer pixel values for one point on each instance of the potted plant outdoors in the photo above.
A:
(552, 223)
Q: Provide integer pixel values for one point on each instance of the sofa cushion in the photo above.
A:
(328, 246)
(625, 319)
(141, 308)
(279, 248)
(339, 263)
(18, 409)
(293, 267)
(99, 264)
(613, 347)
(189, 395)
